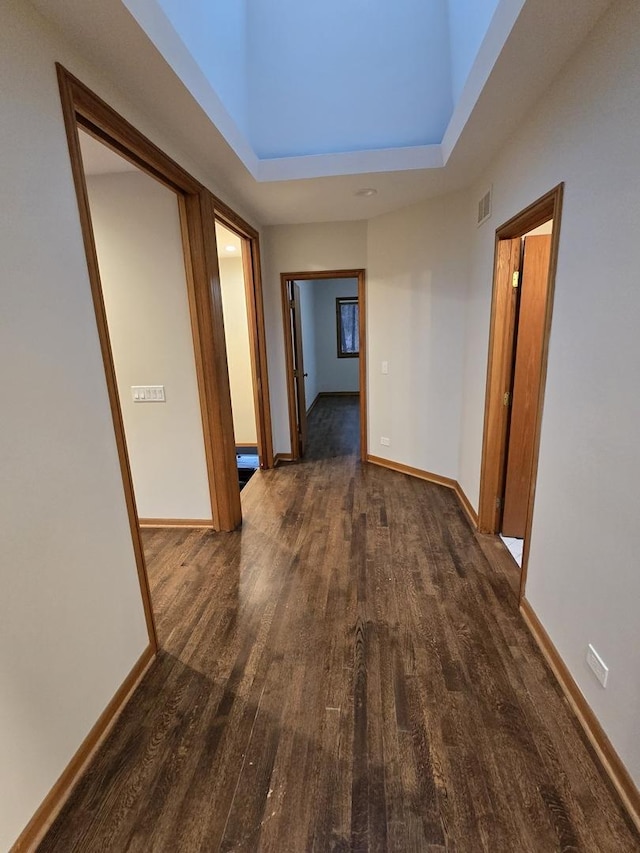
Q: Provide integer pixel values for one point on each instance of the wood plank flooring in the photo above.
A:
(346, 673)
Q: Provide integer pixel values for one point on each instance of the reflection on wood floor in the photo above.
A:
(344, 673)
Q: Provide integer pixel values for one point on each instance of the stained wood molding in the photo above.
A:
(176, 522)
(198, 208)
(609, 758)
(57, 796)
(77, 101)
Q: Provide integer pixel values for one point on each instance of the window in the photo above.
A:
(347, 322)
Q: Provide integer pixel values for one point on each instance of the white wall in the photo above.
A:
(387, 75)
(236, 327)
(71, 618)
(583, 579)
(137, 231)
(417, 277)
(308, 340)
(300, 248)
(331, 373)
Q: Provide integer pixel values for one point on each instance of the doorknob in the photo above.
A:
(305, 374)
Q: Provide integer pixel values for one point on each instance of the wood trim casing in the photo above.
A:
(55, 799)
(81, 107)
(205, 299)
(177, 522)
(548, 206)
(360, 275)
(70, 92)
(609, 758)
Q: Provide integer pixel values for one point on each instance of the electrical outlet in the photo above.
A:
(386, 441)
(385, 366)
(599, 667)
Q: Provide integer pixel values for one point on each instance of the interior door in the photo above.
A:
(526, 383)
(298, 367)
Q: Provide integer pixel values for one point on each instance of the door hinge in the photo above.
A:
(498, 503)
(515, 281)
(292, 303)
(506, 400)
(295, 373)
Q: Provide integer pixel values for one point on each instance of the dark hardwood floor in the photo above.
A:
(345, 673)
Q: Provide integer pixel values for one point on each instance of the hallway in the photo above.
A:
(344, 673)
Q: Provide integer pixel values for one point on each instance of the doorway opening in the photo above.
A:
(324, 335)
(83, 111)
(136, 228)
(524, 276)
(245, 359)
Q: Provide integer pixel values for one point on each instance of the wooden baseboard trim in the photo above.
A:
(315, 402)
(413, 472)
(431, 478)
(282, 457)
(472, 515)
(247, 445)
(609, 758)
(48, 810)
(176, 522)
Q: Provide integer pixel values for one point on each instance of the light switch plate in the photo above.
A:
(148, 393)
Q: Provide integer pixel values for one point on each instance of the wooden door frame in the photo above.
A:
(252, 274)
(82, 108)
(360, 275)
(500, 361)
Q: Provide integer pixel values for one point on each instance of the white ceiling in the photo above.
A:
(229, 244)
(543, 38)
(99, 159)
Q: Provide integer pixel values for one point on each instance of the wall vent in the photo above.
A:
(484, 207)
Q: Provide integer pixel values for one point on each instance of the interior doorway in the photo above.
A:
(197, 209)
(338, 337)
(136, 227)
(524, 274)
(251, 417)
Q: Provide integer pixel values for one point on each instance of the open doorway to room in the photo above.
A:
(192, 276)
(324, 333)
(526, 257)
(136, 228)
(251, 418)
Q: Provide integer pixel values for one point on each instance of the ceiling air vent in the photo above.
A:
(484, 207)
